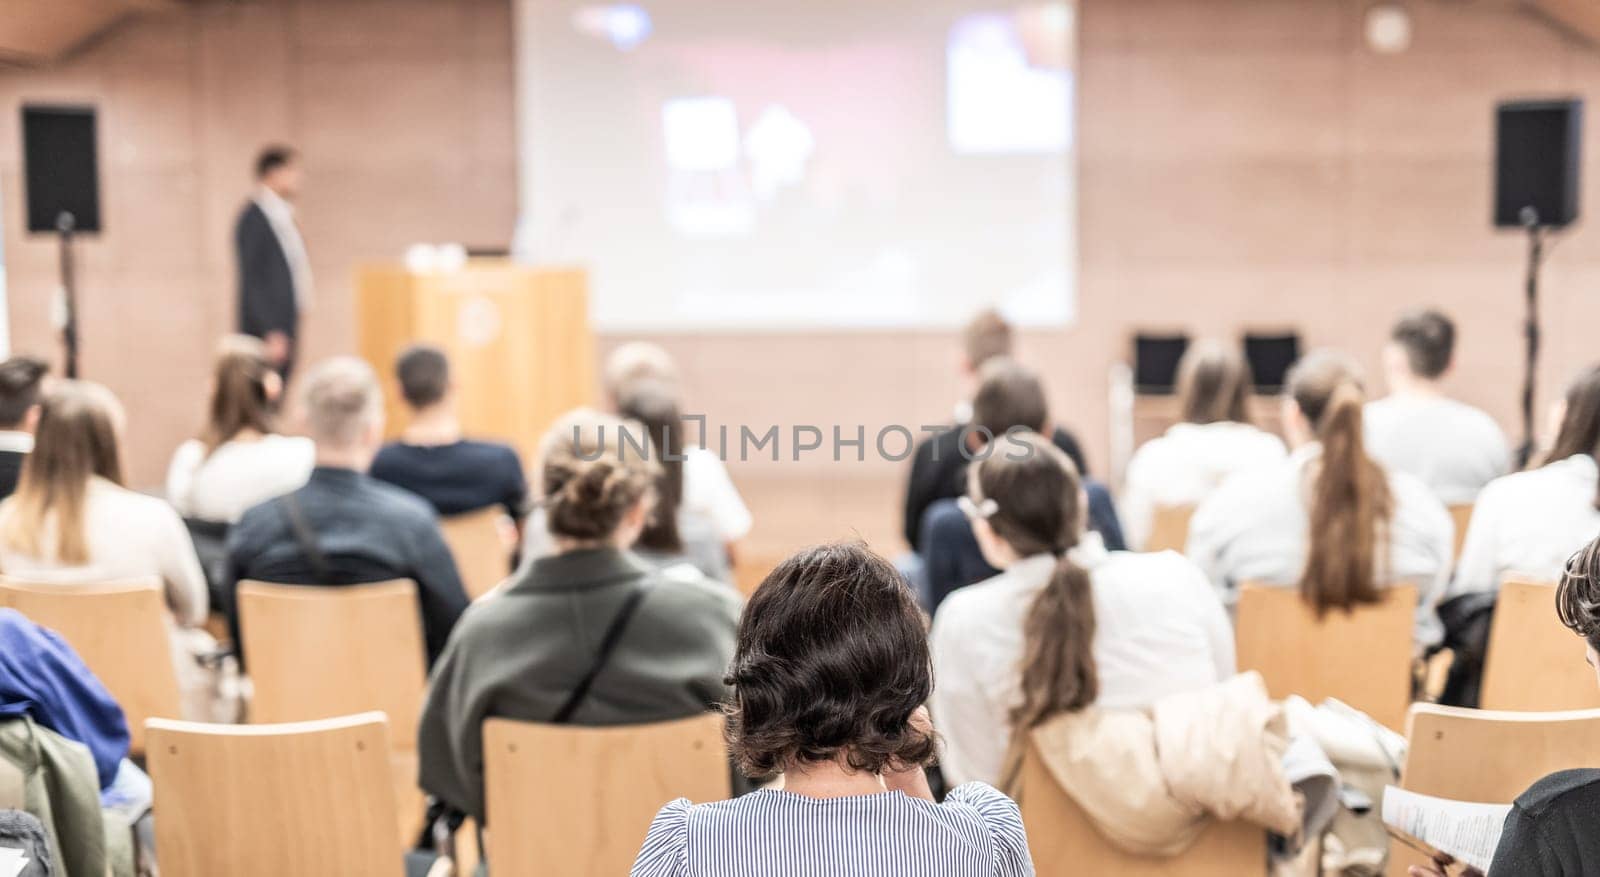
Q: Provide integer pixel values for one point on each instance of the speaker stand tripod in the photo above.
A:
(65, 223)
(1530, 327)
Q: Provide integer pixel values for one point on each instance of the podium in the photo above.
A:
(518, 338)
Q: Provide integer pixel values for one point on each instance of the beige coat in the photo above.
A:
(1150, 780)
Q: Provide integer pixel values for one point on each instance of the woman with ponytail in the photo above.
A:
(1328, 520)
(239, 459)
(1067, 623)
(1531, 522)
(531, 651)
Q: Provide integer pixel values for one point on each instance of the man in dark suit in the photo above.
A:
(20, 380)
(274, 272)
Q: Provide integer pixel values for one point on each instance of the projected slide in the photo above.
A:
(805, 164)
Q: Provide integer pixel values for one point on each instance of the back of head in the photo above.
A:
(77, 438)
(1580, 425)
(240, 396)
(20, 380)
(1428, 339)
(638, 361)
(832, 660)
(986, 336)
(424, 375)
(593, 470)
(272, 159)
(1578, 594)
(1213, 384)
(1009, 396)
(1350, 501)
(342, 403)
(654, 407)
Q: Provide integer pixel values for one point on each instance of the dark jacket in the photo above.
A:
(519, 655)
(367, 531)
(266, 282)
(460, 477)
(10, 470)
(1553, 829)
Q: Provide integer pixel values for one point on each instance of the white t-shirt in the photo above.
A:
(1453, 448)
(709, 494)
(1182, 467)
(1529, 523)
(1159, 630)
(237, 475)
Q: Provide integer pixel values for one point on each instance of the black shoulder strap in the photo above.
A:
(305, 537)
(608, 644)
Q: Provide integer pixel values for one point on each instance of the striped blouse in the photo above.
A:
(976, 832)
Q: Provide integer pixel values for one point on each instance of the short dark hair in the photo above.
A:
(832, 659)
(424, 374)
(20, 377)
(1008, 396)
(1578, 594)
(1428, 338)
(273, 157)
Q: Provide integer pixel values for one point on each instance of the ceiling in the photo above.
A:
(37, 31)
(1580, 17)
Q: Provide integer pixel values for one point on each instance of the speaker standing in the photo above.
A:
(274, 272)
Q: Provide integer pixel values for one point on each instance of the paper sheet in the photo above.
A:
(1467, 830)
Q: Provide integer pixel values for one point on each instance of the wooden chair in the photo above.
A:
(1533, 661)
(478, 544)
(1065, 843)
(1462, 515)
(1362, 657)
(320, 652)
(312, 799)
(616, 779)
(1169, 528)
(1490, 755)
(120, 631)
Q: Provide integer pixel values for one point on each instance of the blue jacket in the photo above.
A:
(43, 678)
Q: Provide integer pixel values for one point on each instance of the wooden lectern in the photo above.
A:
(521, 351)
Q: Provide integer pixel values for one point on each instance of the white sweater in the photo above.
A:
(1182, 466)
(236, 475)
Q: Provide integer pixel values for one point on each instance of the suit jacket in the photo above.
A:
(10, 470)
(266, 282)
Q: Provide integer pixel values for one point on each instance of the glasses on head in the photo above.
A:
(977, 511)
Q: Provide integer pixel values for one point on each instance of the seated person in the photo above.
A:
(432, 460)
(72, 522)
(1009, 399)
(21, 379)
(533, 652)
(1214, 439)
(829, 682)
(1133, 627)
(1531, 522)
(239, 459)
(1453, 448)
(343, 527)
(1328, 520)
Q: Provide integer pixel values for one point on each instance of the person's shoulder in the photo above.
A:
(966, 606)
(399, 503)
(1472, 417)
(1576, 790)
(682, 592)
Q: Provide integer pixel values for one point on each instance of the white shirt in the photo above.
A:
(709, 494)
(1452, 447)
(1255, 528)
(280, 215)
(1159, 630)
(1529, 523)
(237, 475)
(1183, 466)
(130, 535)
(16, 442)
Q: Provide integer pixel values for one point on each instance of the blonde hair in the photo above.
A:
(593, 469)
(638, 361)
(77, 438)
(342, 401)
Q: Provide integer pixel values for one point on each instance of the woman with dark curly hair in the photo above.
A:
(829, 678)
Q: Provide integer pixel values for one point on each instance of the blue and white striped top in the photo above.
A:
(976, 832)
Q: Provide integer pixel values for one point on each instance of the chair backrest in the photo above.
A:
(310, 798)
(1065, 843)
(1462, 515)
(319, 652)
(1534, 662)
(1169, 528)
(1362, 657)
(568, 800)
(120, 629)
(1494, 755)
(476, 542)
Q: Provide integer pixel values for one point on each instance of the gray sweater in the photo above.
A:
(519, 655)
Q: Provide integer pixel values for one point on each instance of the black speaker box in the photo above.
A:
(60, 168)
(1537, 151)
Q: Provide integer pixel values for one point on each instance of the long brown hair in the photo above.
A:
(240, 399)
(76, 439)
(1580, 426)
(1038, 509)
(1213, 384)
(1351, 506)
(654, 406)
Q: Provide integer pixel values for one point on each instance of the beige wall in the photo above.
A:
(1243, 163)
